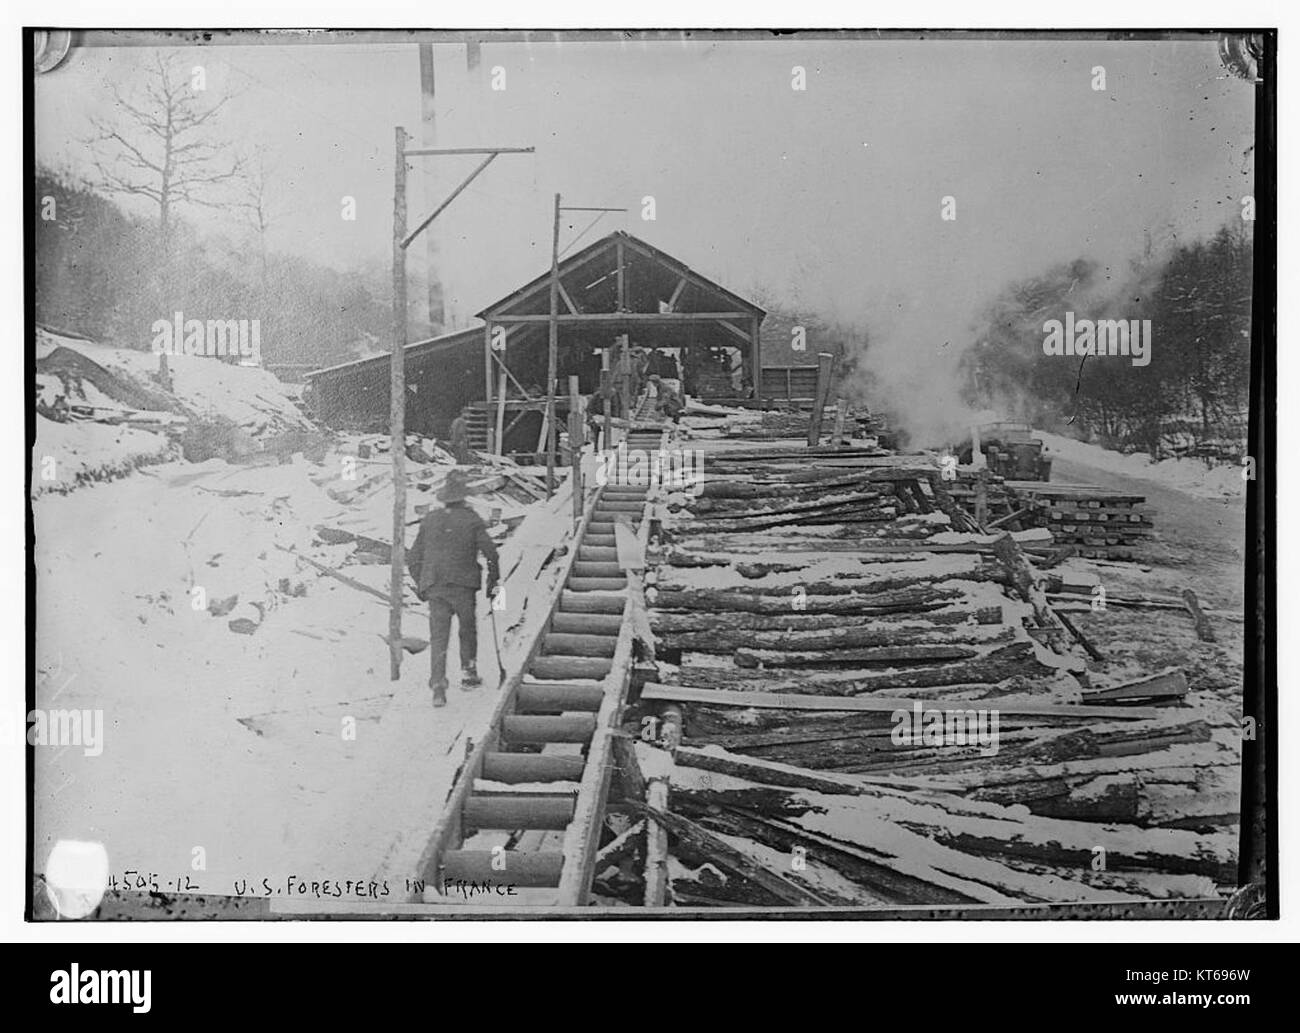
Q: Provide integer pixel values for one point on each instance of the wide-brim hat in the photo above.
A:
(455, 488)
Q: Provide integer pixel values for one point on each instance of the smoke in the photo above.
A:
(916, 358)
(910, 366)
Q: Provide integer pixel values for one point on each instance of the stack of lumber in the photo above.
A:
(962, 490)
(1098, 522)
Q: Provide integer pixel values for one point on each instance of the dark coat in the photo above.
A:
(446, 551)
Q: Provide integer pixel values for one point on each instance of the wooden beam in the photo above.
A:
(724, 855)
(825, 360)
(568, 301)
(677, 318)
(695, 278)
(734, 329)
(622, 279)
(677, 294)
(1169, 684)
(571, 265)
(874, 704)
(656, 846)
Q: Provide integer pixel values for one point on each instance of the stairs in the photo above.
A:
(477, 421)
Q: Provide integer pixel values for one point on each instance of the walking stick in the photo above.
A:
(496, 644)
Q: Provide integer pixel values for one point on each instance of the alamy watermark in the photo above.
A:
(931, 726)
(224, 338)
(674, 469)
(1100, 337)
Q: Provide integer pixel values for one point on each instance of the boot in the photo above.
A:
(439, 687)
(469, 678)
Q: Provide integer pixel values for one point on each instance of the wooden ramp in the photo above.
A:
(522, 822)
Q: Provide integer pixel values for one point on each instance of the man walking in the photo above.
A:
(444, 563)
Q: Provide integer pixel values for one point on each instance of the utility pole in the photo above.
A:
(429, 137)
(402, 239)
(397, 408)
(552, 357)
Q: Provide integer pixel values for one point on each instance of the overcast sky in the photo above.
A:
(830, 197)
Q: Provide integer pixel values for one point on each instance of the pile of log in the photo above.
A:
(785, 648)
(1099, 523)
(760, 833)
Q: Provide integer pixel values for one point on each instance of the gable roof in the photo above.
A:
(647, 261)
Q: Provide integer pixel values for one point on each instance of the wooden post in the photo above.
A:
(552, 352)
(575, 448)
(841, 412)
(501, 409)
(397, 409)
(487, 373)
(982, 497)
(824, 362)
(607, 394)
(656, 842)
(756, 358)
(625, 376)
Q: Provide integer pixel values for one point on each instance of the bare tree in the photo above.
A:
(257, 200)
(163, 148)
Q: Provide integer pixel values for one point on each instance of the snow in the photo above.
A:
(85, 452)
(1190, 476)
(251, 398)
(287, 751)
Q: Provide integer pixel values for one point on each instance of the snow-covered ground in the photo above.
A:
(1190, 476)
(250, 726)
(285, 751)
(67, 455)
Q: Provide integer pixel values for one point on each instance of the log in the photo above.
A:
(731, 509)
(728, 858)
(350, 582)
(757, 771)
(1079, 636)
(895, 884)
(1010, 555)
(1203, 630)
(854, 636)
(682, 630)
(750, 601)
(656, 838)
(630, 779)
(986, 830)
(621, 846)
(735, 489)
(864, 583)
(889, 655)
(826, 515)
(1009, 661)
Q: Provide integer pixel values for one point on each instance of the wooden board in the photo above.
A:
(790, 701)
